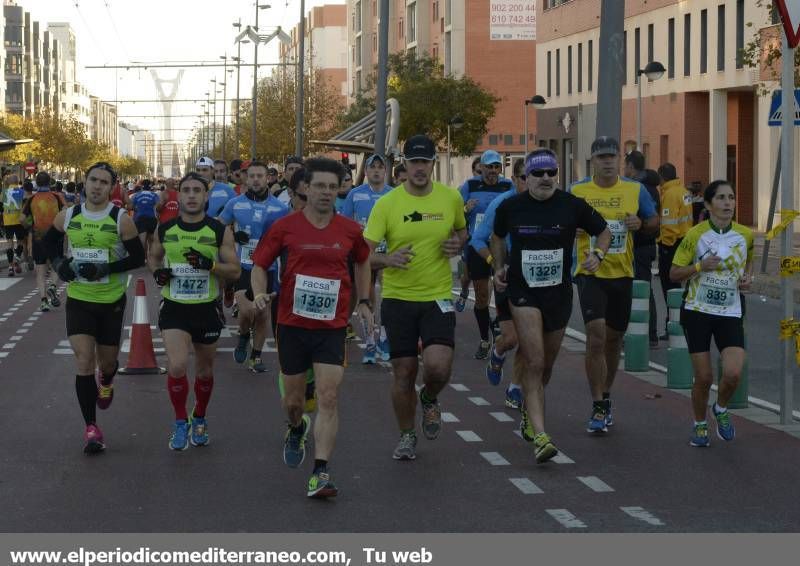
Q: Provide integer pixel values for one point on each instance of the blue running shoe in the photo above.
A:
(383, 348)
(240, 352)
(725, 428)
(180, 436)
(514, 398)
(494, 369)
(369, 354)
(699, 438)
(294, 446)
(597, 422)
(461, 303)
(609, 415)
(199, 434)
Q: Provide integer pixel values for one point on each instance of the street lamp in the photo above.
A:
(214, 123)
(538, 102)
(455, 123)
(224, 100)
(653, 71)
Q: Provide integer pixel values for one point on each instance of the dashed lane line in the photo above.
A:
(479, 401)
(459, 387)
(641, 514)
(450, 418)
(559, 458)
(526, 486)
(469, 436)
(495, 459)
(567, 519)
(595, 484)
(502, 417)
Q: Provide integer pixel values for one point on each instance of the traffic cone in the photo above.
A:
(141, 358)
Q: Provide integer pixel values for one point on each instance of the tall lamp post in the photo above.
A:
(653, 71)
(224, 101)
(455, 123)
(214, 123)
(238, 60)
(538, 101)
(299, 102)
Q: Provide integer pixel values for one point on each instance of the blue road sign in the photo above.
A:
(775, 110)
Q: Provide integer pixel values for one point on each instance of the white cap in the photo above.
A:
(204, 162)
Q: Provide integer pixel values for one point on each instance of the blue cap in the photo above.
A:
(375, 156)
(491, 156)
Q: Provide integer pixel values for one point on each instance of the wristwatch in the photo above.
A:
(365, 302)
(599, 253)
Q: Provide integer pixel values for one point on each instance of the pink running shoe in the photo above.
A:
(94, 440)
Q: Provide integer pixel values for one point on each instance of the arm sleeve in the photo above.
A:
(376, 225)
(269, 246)
(686, 251)
(588, 218)
(647, 208)
(54, 243)
(347, 207)
(134, 259)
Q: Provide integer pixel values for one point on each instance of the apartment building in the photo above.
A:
(104, 123)
(74, 97)
(705, 114)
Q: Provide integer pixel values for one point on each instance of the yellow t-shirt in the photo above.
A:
(422, 223)
(676, 212)
(613, 204)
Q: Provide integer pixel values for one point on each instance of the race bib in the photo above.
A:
(543, 268)
(188, 283)
(619, 237)
(478, 219)
(445, 305)
(718, 291)
(315, 298)
(90, 255)
(246, 252)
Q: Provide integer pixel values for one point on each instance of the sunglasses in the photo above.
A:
(540, 172)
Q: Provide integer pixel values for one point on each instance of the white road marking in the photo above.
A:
(459, 387)
(3, 319)
(23, 330)
(595, 484)
(469, 436)
(480, 401)
(495, 459)
(15, 338)
(13, 309)
(562, 458)
(8, 283)
(450, 418)
(502, 417)
(566, 518)
(526, 486)
(642, 515)
(63, 351)
(27, 324)
(9, 345)
(3, 354)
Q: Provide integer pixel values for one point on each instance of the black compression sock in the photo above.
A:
(10, 256)
(484, 321)
(320, 466)
(255, 354)
(86, 388)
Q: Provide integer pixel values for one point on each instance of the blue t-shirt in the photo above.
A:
(482, 234)
(218, 197)
(255, 218)
(359, 202)
(339, 203)
(475, 188)
(144, 204)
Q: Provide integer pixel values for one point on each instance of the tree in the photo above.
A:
(429, 100)
(764, 51)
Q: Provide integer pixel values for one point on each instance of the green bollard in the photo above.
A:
(739, 398)
(637, 341)
(680, 374)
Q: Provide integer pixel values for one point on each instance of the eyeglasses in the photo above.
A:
(540, 172)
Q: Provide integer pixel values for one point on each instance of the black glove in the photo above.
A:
(63, 267)
(93, 271)
(198, 260)
(162, 276)
(241, 237)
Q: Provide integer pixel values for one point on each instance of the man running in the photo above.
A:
(314, 308)
(218, 193)
(168, 207)
(424, 226)
(102, 245)
(12, 201)
(478, 193)
(144, 203)
(542, 223)
(358, 206)
(251, 215)
(605, 294)
(190, 255)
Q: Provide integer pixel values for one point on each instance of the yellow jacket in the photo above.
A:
(676, 212)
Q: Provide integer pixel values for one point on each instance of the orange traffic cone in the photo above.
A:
(141, 358)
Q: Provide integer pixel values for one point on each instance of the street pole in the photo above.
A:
(224, 105)
(449, 176)
(214, 144)
(611, 70)
(639, 112)
(525, 120)
(301, 57)
(255, 91)
(383, 60)
(787, 203)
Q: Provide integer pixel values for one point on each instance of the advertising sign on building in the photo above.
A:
(512, 20)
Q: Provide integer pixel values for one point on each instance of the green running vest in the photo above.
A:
(189, 285)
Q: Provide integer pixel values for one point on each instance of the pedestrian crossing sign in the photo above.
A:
(775, 109)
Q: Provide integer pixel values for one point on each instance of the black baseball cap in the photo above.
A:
(293, 159)
(605, 145)
(419, 147)
(236, 164)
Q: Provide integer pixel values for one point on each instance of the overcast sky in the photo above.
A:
(123, 31)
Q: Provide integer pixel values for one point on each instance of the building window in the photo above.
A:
(435, 51)
(549, 74)
(492, 139)
(637, 54)
(721, 37)
(569, 69)
(671, 48)
(687, 45)
(580, 67)
(448, 48)
(739, 34)
(625, 58)
(401, 29)
(435, 10)
(651, 33)
(508, 139)
(357, 17)
(448, 11)
(590, 64)
(703, 41)
(411, 16)
(374, 44)
(358, 51)
(558, 72)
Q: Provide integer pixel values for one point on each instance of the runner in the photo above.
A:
(463, 272)
(542, 224)
(478, 193)
(291, 166)
(251, 216)
(102, 245)
(218, 193)
(168, 206)
(605, 294)
(221, 173)
(188, 258)
(715, 259)
(424, 226)
(12, 202)
(317, 245)
(143, 203)
(119, 197)
(38, 214)
(357, 206)
(347, 186)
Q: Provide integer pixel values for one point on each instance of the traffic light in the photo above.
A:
(507, 161)
(345, 159)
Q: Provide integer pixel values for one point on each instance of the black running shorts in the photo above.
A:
(700, 327)
(555, 304)
(300, 348)
(103, 321)
(476, 266)
(202, 321)
(609, 299)
(408, 322)
(147, 224)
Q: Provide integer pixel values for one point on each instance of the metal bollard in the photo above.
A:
(637, 342)
(680, 374)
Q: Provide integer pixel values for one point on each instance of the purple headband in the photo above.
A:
(540, 161)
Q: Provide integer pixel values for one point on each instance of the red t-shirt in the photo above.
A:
(171, 208)
(116, 196)
(315, 277)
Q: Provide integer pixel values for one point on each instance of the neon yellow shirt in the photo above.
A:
(422, 223)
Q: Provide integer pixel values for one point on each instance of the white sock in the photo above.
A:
(719, 409)
(512, 386)
(383, 333)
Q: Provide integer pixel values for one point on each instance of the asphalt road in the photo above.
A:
(479, 476)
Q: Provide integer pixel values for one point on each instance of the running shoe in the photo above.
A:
(494, 369)
(725, 430)
(179, 439)
(94, 440)
(320, 486)
(294, 446)
(431, 419)
(199, 431)
(44, 306)
(311, 397)
(526, 427)
(544, 449)
(609, 414)
(699, 438)
(52, 294)
(369, 354)
(407, 447)
(105, 391)
(383, 349)
(235, 311)
(11, 271)
(350, 333)
(240, 352)
(17, 267)
(482, 353)
(228, 297)
(461, 303)
(597, 422)
(514, 398)
(257, 365)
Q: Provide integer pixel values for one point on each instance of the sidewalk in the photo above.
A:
(769, 283)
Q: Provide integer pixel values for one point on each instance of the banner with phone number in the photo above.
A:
(512, 20)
